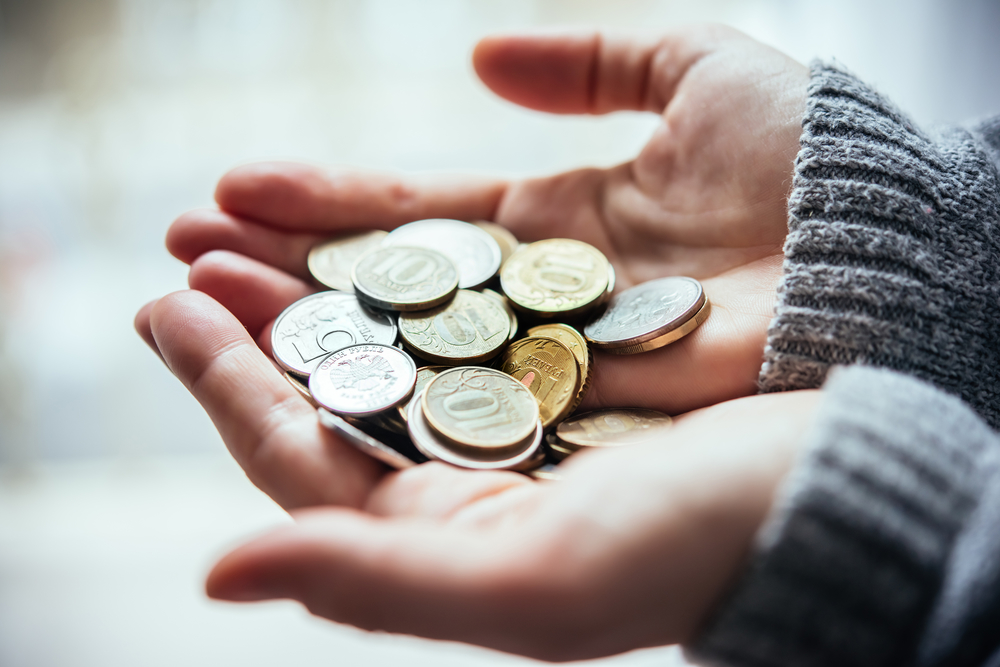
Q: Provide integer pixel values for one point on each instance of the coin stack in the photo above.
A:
(417, 352)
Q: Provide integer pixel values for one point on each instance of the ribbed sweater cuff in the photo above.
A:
(893, 251)
(847, 567)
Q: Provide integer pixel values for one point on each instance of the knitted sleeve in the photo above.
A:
(893, 251)
(882, 548)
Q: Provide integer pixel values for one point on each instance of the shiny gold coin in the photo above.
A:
(549, 370)
(404, 278)
(470, 329)
(508, 242)
(330, 263)
(480, 407)
(556, 277)
(577, 344)
(301, 388)
(424, 375)
(506, 306)
(612, 428)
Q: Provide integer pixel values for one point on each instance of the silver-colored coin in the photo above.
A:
(364, 442)
(363, 379)
(471, 328)
(474, 252)
(319, 324)
(479, 407)
(330, 263)
(649, 315)
(526, 456)
(404, 278)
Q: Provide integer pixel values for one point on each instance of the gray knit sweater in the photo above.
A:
(884, 545)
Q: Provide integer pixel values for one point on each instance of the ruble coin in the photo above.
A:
(362, 380)
(321, 323)
(577, 344)
(330, 263)
(615, 427)
(649, 315)
(404, 278)
(556, 278)
(480, 407)
(470, 329)
(549, 370)
(474, 253)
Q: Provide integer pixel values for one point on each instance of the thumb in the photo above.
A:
(589, 72)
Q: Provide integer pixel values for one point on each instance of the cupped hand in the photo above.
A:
(705, 197)
(631, 549)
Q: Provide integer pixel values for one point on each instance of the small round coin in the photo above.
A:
(577, 344)
(508, 242)
(612, 428)
(549, 370)
(473, 252)
(649, 315)
(471, 328)
(526, 455)
(363, 379)
(556, 277)
(480, 407)
(321, 323)
(330, 263)
(424, 375)
(404, 278)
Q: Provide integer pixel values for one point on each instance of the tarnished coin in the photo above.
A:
(524, 456)
(330, 263)
(470, 329)
(508, 242)
(612, 428)
(556, 277)
(317, 325)
(363, 379)
(364, 442)
(301, 387)
(404, 278)
(649, 315)
(473, 252)
(506, 306)
(424, 375)
(577, 344)
(549, 370)
(480, 407)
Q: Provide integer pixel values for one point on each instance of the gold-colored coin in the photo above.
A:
(424, 376)
(612, 428)
(480, 407)
(301, 388)
(330, 263)
(577, 344)
(506, 306)
(470, 329)
(556, 277)
(549, 370)
(508, 242)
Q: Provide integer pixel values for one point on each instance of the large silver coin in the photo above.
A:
(649, 315)
(364, 442)
(363, 379)
(319, 324)
(404, 278)
(470, 329)
(330, 263)
(480, 407)
(524, 457)
(474, 252)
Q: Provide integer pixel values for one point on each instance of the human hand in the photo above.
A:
(631, 549)
(706, 197)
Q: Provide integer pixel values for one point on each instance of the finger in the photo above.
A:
(141, 323)
(396, 575)
(590, 72)
(203, 230)
(270, 430)
(253, 292)
(308, 198)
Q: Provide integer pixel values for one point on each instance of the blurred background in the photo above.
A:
(116, 494)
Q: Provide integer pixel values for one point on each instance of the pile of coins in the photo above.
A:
(418, 351)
